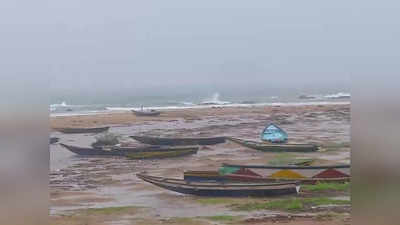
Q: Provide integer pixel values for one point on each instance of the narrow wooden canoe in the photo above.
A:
(179, 141)
(214, 176)
(162, 154)
(72, 130)
(222, 189)
(289, 167)
(122, 151)
(267, 147)
(146, 113)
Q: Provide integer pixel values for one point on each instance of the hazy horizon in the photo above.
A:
(142, 48)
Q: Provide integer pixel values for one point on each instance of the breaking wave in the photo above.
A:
(214, 100)
(340, 95)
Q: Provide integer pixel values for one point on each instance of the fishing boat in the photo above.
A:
(269, 147)
(251, 173)
(249, 176)
(291, 167)
(274, 134)
(73, 130)
(243, 175)
(222, 189)
(125, 151)
(146, 113)
(179, 141)
(163, 154)
(54, 140)
(214, 176)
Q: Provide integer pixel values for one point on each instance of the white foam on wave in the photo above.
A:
(228, 105)
(62, 104)
(188, 103)
(214, 100)
(166, 108)
(338, 95)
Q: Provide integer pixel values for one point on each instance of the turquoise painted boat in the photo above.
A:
(274, 134)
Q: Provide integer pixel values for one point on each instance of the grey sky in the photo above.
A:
(130, 44)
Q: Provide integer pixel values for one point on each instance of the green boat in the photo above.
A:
(163, 154)
(269, 147)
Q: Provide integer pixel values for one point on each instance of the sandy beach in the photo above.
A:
(98, 190)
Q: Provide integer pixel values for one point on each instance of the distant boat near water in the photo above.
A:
(75, 130)
(146, 112)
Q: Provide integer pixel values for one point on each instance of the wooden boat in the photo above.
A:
(268, 147)
(290, 167)
(163, 154)
(146, 113)
(54, 140)
(222, 189)
(72, 130)
(123, 151)
(179, 141)
(215, 176)
(274, 134)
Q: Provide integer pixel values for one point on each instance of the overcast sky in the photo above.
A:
(131, 44)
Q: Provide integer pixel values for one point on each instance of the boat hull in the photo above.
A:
(123, 151)
(144, 113)
(162, 154)
(222, 189)
(179, 141)
(82, 130)
(209, 176)
(290, 167)
(276, 147)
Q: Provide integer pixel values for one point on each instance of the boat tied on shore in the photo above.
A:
(270, 147)
(146, 112)
(255, 173)
(219, 189)
(76, 130)
(146, 152)
(179, 141)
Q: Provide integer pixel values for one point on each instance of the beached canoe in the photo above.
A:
(123, 151)
(163, 154)
(288, 167)
(222, 189)
(73, 130)
(54, 140)
(215, 176)
(146, 113)
(179, 141)
(268, 147)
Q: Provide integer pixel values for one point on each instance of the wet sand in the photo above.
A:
(78, 183)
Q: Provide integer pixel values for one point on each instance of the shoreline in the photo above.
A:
(110, 185)
(125, 117)
(168, 108)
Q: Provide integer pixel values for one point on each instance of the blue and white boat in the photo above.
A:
(274, 134)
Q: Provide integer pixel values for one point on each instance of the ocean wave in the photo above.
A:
(187, 103)
(62, 104)
(340, 95)
(214, 100)
(229, 105)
